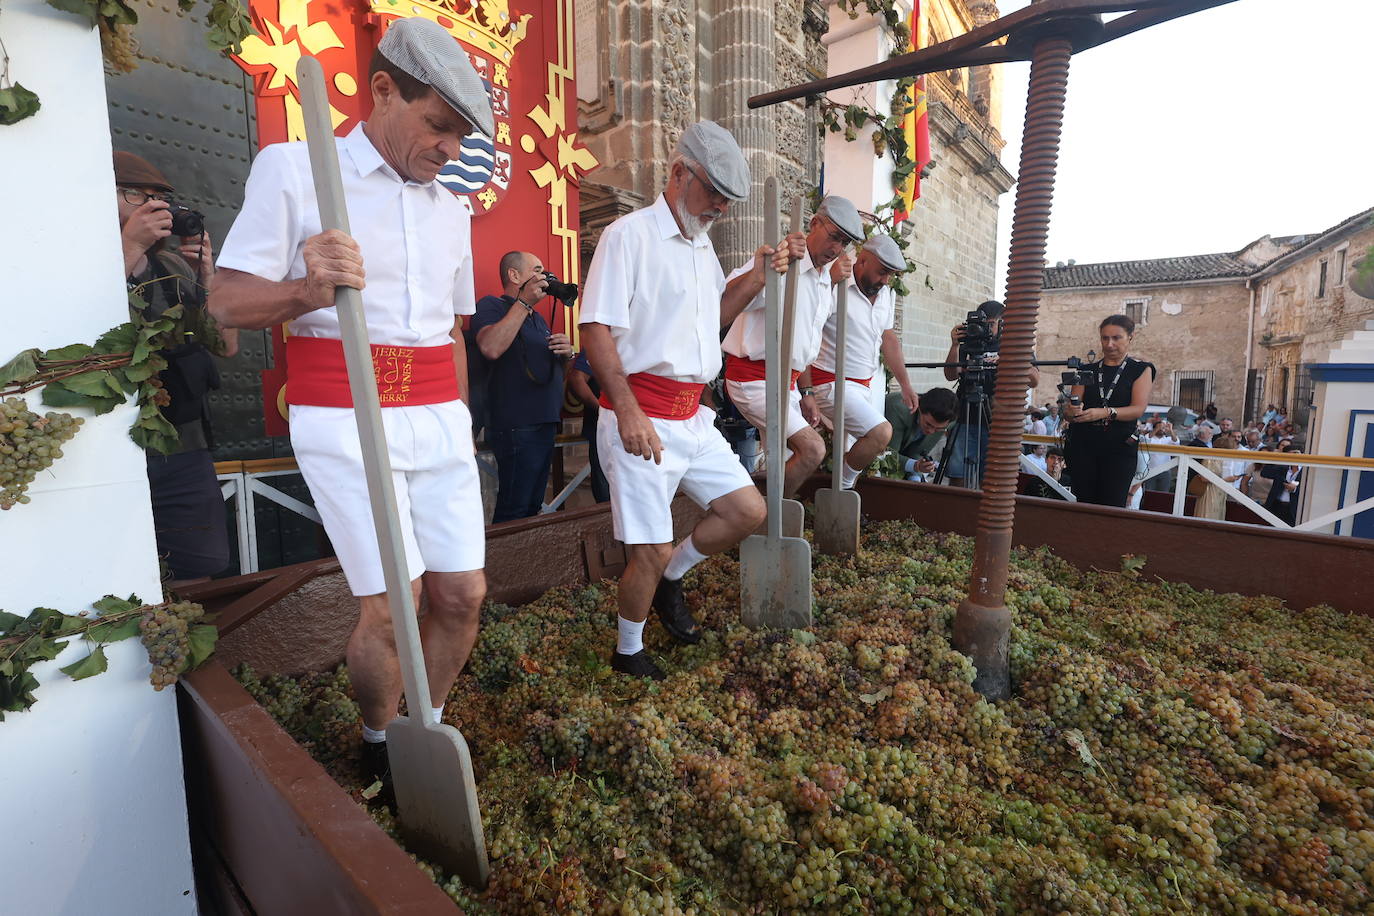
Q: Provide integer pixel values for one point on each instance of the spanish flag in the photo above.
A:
(916, 125)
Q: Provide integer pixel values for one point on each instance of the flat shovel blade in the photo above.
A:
(793, 519)
(775, 582)
(837, 521)
(436, 797)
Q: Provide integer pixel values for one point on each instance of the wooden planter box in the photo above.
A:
(273, 833)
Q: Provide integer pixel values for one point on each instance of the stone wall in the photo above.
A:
(1193, 327)
(1298, 323)
(652, 68)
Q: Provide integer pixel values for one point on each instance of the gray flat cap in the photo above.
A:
(426, 51)
(887, 251)
(712, 146)
(843, 215)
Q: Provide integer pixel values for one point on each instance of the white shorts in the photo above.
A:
(437, 490)
(860, 416)
(752, 401)
(695, 456)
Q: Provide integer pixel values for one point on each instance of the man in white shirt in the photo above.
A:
(277, 266)
(869, 333)
(652, 309)
(835, 225)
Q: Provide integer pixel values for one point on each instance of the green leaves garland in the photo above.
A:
(174, 634)
(124, 361)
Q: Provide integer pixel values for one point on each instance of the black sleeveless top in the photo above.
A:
(1112, 388)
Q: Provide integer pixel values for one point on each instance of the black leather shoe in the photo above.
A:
(377, 766)
(673, 614)
(638, 665)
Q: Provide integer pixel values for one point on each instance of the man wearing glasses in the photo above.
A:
(188, 510)
(835, 225)
(652, 309)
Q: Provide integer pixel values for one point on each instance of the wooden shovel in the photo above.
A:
(775, 570)
(793, 516)
(837, 509)
(436, 794)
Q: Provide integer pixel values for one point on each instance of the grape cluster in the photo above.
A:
(1166, 750)
(28, 444)
(163, 630)
(118, 47)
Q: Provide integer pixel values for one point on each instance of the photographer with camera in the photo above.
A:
(525, 383)
(168, 261)
(1102, 414)
(972, 361)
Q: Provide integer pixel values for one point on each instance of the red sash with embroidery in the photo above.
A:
(317, 376)
(820, 377)
(662, 397)
(739, 369)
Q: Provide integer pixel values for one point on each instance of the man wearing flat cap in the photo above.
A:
(652, 309)
(168, 271)
(414, 237)
(871, 314)
(835, 226)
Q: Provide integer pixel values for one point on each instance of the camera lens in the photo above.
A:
(186, 222)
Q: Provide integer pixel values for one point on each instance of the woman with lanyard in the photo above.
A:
(1102, 443)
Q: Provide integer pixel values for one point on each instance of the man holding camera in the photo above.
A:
(525, 386)
(188, 510)
(871, 310)
(972, 361)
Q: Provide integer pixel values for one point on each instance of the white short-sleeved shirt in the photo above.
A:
(815, 302)
(416, 241)
(863, 332)
(659, 293)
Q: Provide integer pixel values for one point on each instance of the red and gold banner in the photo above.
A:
(916, 125)
(521, 187)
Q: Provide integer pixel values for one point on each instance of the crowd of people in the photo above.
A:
(660, 322)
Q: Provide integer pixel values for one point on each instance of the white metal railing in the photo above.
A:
(1185, 461)
(245, 482)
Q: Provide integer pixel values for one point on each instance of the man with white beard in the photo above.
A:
(652, 309)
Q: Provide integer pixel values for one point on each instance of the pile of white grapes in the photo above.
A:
(28, 444)
(1167, 750)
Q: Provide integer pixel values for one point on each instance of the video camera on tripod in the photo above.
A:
(1075, 377)
(979, 340)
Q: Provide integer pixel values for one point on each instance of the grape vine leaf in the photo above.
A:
(201, 640)
(18, 103)
(70, 351)
(9, 621)
(113, 631)
(61, 394)
(16, 692)
(112, 605)
(118, 339)
(91, 665)
(20, 369)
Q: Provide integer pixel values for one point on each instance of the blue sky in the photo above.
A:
(1207, 132)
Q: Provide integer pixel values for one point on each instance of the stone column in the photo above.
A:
(745, 64)
(980, 90)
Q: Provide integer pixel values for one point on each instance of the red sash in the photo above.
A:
(739, 369)
(820, 377)
(317, 376)
(662, 397)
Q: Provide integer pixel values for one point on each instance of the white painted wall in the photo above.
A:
(1334, 402)
(90, 778)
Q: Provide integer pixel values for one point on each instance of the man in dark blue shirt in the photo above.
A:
(525, 384)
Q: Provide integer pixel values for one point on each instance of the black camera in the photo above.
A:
(1074, 377)
(185, 221)
(978, 340)
(563, 292)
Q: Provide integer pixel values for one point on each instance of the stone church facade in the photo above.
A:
(646, 70)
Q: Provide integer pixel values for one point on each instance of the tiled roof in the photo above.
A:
(1145, 273)
(1176, 270)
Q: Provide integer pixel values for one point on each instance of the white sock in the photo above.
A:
(630, 636)
(685, 556)
(373, 736)
(438, 714)
(848, 475)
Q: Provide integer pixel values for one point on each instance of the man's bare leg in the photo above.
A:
(808, 450)
(372, 663)
(644, 568)
(862, 453)
(731, 519)
(449, 629)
